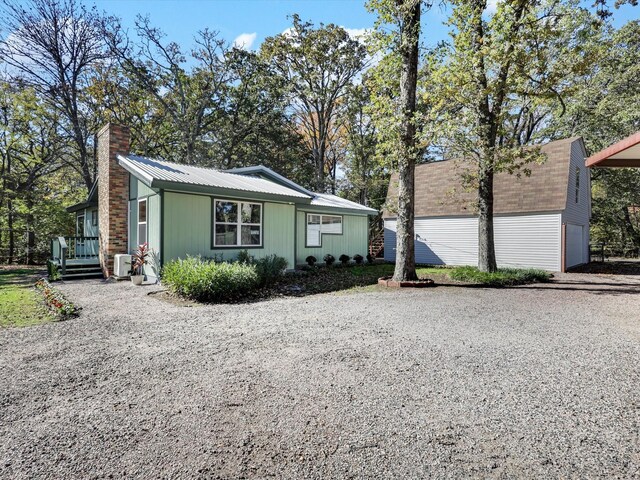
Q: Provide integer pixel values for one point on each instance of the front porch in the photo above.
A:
(76, 257)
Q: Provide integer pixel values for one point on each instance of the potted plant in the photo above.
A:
(138, 261)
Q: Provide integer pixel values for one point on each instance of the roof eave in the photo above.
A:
(140, 175)
(80, 206)
(227, 192)
(601, 159)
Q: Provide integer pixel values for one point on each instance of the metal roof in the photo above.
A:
(333, 201)
(266, 171)
(152, 171)
(155, 172)
(625, 153)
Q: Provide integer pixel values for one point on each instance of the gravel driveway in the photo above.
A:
(535, 382)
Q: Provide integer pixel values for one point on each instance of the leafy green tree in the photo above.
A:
(52, 46)
(31, 152)
(604, 107)
(401, 45)
(318, 65)
(498, 77)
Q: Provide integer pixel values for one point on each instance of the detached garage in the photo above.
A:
(540, 221)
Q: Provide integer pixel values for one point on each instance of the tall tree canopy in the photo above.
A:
(52, 46)
(498, 78)
(318, 65)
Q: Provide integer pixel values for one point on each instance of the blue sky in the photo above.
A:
(258, 19)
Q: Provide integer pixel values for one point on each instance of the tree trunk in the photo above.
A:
(631, 233)
(12, 235)
(31, 238)
(409, 37)
(486, 244)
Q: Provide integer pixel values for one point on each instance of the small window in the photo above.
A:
(318, 225)
(142, 221)
(577, 184)
(80, 226)
(237, 224)
(94, 218)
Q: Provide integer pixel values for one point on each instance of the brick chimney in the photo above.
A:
(113, 195)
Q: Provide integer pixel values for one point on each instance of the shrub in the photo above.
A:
(503, 277)
(208, 281)
(53, 273)
(269, 268)
(244, 257)
(370, 258)
(139, 259)
(358, 259)
(344, 259)
(329, 259)
(311, 260)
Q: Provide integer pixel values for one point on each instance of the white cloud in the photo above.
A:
(357, 33)
(245, 40)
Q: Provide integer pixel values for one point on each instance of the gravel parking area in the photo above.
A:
(541, 381)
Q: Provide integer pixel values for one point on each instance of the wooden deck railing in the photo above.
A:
(72, 248)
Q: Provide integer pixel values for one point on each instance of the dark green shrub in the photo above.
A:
(358, 259)
(370, 258)
(244, 257)
(344, 259)
(503, 277)
(207, 281)
(53, 273)
(270, 268)
(311, 260)
(329, 259)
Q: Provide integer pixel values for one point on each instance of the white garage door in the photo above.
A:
(575, 245)
(521, 240)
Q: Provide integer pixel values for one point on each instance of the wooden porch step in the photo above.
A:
(67, 276)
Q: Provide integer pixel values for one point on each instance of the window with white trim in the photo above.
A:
(317, 225)
(577, 184)
(237, 224)
(142, 221)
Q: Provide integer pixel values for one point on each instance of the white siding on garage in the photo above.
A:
(575, 245)
(521, 240)
(578, 214)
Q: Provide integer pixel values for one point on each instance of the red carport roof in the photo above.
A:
(625, 153)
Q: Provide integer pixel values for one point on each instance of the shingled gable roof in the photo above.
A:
(439, 192)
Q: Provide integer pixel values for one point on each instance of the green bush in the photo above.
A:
(344, 259)
(311, 260)
(358, 259)
(53, 274)
(207, 281)
(269, 268)
(244, 257)
(329, 259)
(503, 277)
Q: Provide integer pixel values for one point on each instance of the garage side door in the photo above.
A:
(574, 245)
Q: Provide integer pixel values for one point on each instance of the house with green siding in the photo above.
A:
(182, 210)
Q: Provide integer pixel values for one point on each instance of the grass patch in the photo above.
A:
(20, 304)
(502, 278)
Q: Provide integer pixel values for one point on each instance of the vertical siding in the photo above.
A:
(354, 239)
(140, 190)
(90, 230)
(153, 234)
(137, 189)
(521, 240)
(188, 224)
(133, 222)
(578, 214)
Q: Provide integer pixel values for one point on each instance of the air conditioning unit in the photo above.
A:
(122, 266)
